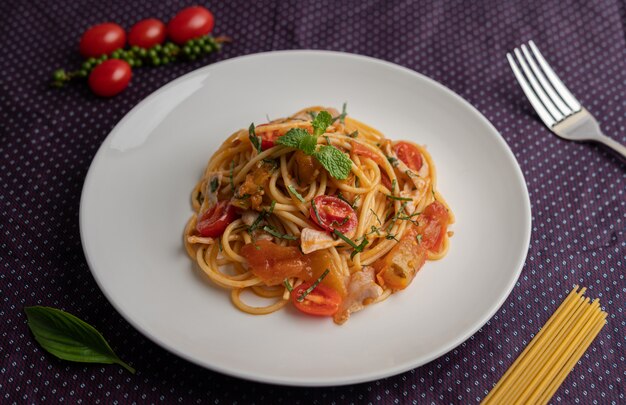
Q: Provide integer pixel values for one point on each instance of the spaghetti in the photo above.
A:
(318, 209)
(542, 367)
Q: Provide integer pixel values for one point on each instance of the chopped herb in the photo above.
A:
(410, 173)
(342, 117)
(340, 224)
(257, 222)
(321, 121)
(393, 185)
(214, 184)
(312, 287)
(293, 191)
(256, 142)
(356, 182)
(232, 169)
(433, 191)
(354, 134)
(288, 285)
(267, 117)
(357, 248)
(393, 197)
(271, 162)
(277, 234)
(327, 140)
(219, 244)
(391, 237)
(317, 214)
(355, 202)
(418, 237)
(393, 161)
(377, 217)
(272, 207)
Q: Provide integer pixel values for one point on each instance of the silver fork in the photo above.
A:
(555, 105)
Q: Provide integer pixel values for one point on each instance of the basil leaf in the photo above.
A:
(256, 142)
(69, 338)
(322, 120)
(335, 161)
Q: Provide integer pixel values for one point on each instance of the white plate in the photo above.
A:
(136, 200)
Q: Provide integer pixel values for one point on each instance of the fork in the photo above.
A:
(553, 102)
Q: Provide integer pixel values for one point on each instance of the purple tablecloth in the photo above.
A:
(48, 138)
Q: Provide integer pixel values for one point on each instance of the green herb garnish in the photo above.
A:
(272, 207)
(354, 134)
(377, 217)
(335, 161)
(256, 142)
(392, 161)
(357, 248)
(321, 121)
(393, 197)
(317, 214)
(393, 185)
(332, 159)
(312, 287)
(288, 285)
(342, 117)
(293, 191)
(418, 237)
(277, 234)
(70, 338)
(257, 222)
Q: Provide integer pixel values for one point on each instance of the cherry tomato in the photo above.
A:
(147, 33)
(333, 214)
(102, 39)
(433, 223)
(268, 138)
(322, 301)
(214, 221)
(385, 180)
(409, 154)
(190, 23)
(110, 77)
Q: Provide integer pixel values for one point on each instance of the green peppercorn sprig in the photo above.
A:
(160, 54)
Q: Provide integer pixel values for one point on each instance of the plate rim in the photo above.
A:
(294, 381)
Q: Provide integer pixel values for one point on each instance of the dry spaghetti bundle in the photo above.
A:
(550, 356)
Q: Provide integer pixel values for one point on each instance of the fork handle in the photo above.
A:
(613, 144)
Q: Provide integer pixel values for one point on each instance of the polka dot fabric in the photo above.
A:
(49, 137)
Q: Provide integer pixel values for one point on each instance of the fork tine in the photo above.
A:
(539, 108)
(541, 94)
(558, 85)
(563, 108)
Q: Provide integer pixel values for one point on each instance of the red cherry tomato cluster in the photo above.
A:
(109, 64)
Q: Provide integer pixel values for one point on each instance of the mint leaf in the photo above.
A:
(342, 117)
(322, 120)
(299, 138)
(69, 338)
(335, 161)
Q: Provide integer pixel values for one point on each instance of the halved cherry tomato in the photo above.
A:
(433, 223)
(190, 23)
(110, 77)
(322, 301)
(215, 220)
(268, 138)
(147, 33)
(102, 39)
(333, 214)
(409, 154)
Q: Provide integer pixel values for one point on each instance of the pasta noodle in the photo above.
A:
(316, 201)
(542, 367)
